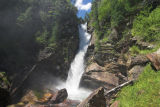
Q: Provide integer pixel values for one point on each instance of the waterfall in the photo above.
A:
(77, 67)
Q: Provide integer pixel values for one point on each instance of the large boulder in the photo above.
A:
(96, 99)
(116, 68)
(94, 67)
(134, 73)
(155, 59)
(93, 80)
(59, 97)
(137, 60)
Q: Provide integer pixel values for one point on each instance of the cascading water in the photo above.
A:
(77, 67)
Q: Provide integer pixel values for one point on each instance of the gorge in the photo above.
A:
(79, 53)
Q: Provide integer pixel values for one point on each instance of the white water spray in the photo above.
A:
(77, 67)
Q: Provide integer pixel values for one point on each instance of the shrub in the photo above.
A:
(147, 26)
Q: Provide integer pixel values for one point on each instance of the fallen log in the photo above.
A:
(116, 89)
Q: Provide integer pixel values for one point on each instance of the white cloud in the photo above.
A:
(79, 4)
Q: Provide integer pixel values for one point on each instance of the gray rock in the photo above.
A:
(96, 99)
(135, 72)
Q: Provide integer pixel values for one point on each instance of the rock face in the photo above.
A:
(93, 80)
(155, 59)
(96, 99)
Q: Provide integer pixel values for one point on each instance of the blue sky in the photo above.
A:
(84, 6)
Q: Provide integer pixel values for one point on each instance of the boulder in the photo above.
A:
(135, 72)
(155, 59)
(93, 80)
(137, 60)
(144, 45)
(59, 97)
(116, 68)
(94, 67)
(96, 99)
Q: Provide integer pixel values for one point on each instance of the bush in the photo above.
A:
(147, 25)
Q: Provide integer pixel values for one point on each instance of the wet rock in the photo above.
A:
(135, 72)
(93, 80)
(59, 97)
(66, 103)
(155, 59)
(137, 60)
(96, 99)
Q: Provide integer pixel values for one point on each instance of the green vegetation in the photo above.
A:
(107, 14)
(147, 25)
(134, 50)
(144, 93)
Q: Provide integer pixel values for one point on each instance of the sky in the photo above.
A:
(84, 6)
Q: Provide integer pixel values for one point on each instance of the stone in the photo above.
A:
(155, 59)
(137, 60)
(115, 104)
(116, 68)
(94, 67)
(96, 99)
(67, 103)
(59, 97)
(135, 72)
(93, 80)
(145, 45)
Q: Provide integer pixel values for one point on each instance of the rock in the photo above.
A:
(59, 97)
(116, 68)
(96, 99)
(94, 67)
(155, 59)
(67, 103)
(93, 80)
(144, 45)
(135, 72)
(115, 104)
(137, 60)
